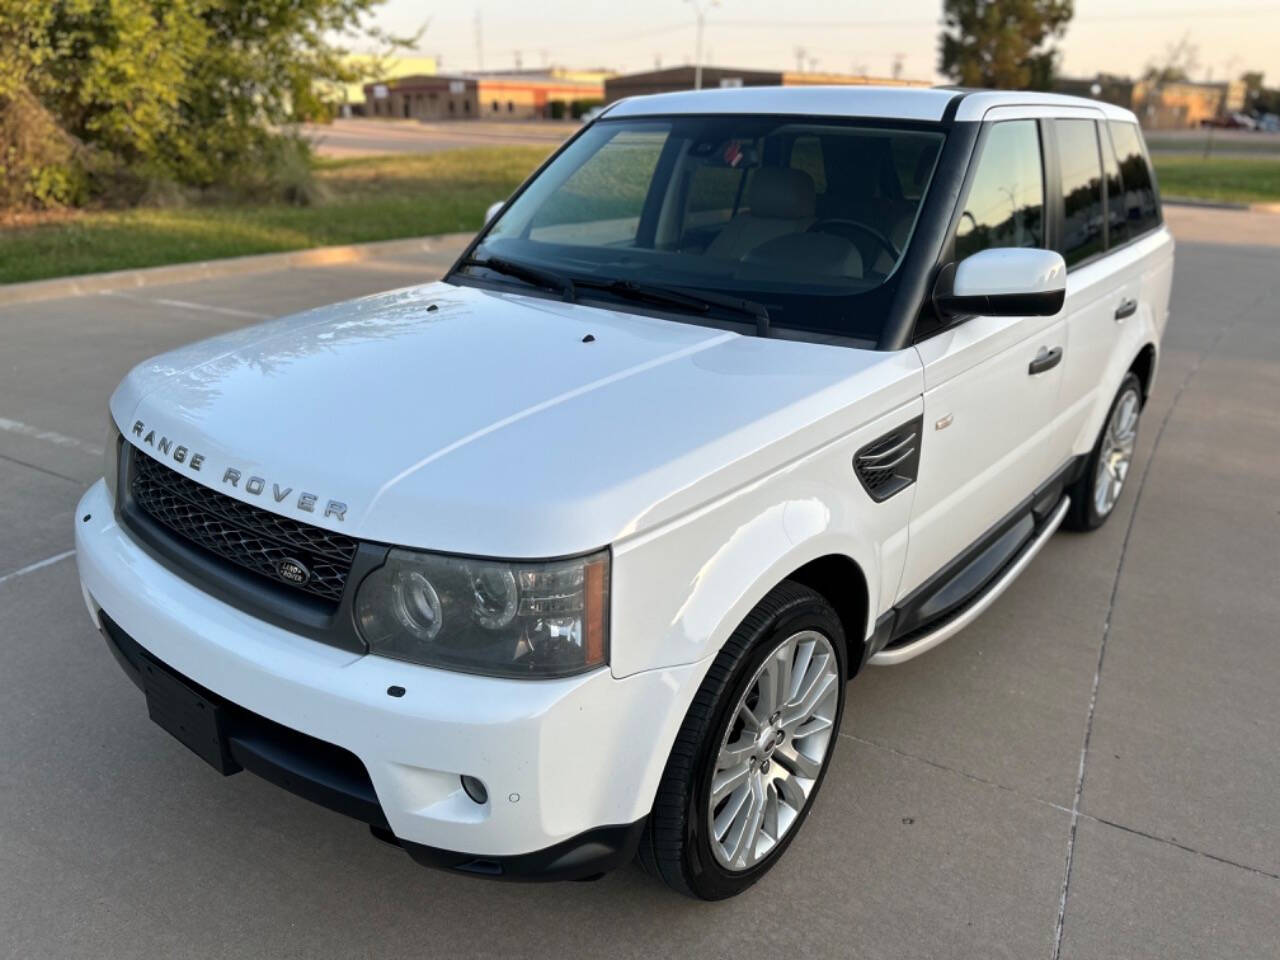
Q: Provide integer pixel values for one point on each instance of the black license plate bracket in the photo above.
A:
(194, 720)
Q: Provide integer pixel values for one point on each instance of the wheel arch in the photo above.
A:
(841, 582)
(1144, 368)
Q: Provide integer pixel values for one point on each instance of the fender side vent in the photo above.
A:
(890, 463)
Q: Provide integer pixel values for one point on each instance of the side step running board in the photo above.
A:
(957, 622)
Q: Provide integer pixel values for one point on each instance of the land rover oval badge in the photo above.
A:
(293, 571)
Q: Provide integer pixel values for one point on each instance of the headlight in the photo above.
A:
(111, 456)
(510, 619)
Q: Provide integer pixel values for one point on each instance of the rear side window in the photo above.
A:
(1117, 223)
(806, 155)
(714, 194)
(1081, 167)
(1141, 209)
(1005, 206)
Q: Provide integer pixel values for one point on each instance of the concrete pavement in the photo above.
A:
(1089, 771)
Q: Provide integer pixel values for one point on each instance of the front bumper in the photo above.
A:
(571, 766)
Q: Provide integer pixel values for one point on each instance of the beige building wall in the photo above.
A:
(1175, 106)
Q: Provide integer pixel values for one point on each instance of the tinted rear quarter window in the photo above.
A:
(1005, 206)
(1141, 209)
(1081, 172)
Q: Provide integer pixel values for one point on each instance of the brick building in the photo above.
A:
(423, 97)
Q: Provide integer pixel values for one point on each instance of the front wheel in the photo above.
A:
(753, 749)
(1094, 495)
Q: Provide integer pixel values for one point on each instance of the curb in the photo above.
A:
(36, 290)
(1221, 204)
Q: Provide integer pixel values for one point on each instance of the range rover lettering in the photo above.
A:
(741, 392)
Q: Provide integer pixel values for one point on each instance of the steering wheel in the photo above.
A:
(819, 225)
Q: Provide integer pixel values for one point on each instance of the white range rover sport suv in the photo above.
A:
(565, 560)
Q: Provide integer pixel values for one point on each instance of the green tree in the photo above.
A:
(197, 92)
(1003, 44)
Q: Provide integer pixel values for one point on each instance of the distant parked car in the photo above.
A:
(1232, 121)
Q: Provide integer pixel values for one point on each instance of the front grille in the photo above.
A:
(243, 534)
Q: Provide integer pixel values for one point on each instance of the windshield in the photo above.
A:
(803, 218)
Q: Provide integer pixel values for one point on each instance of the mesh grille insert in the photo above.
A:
(240, 533)
(890, 463)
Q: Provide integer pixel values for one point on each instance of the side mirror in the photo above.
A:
(1003, 282)
(493, 211)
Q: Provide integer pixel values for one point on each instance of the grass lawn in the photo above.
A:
(1235, 178)
(378, 198)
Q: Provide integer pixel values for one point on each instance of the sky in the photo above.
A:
(1115, 36)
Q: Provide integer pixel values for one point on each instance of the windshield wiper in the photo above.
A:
(700, 302)
(530, 274)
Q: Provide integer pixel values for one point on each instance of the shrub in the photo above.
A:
(40, 165)
(105, 99)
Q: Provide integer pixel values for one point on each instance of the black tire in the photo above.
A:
(1083, 515)
(675, 845)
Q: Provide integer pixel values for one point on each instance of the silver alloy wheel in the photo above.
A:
(1117, 452)
(772, 751)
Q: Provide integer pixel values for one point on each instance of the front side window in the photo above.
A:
(600, 202)
(1141, 210)
(807, 219)
(1081, 171)
(1005, 206)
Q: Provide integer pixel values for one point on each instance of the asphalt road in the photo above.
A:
(1090, 771)
(357, 137)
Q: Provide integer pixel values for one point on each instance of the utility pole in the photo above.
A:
(479, 44)
(801, 53)
(700, 8)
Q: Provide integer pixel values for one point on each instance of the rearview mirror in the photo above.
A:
(493, 211)
(1003, 282)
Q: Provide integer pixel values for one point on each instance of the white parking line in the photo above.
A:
(49, 436)
(189, 305)
(39, 565)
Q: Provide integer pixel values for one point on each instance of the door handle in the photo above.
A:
(1127, 308)
(1045, 360)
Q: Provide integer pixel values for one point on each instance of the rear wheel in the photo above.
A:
(753, 749)
(1095, 494)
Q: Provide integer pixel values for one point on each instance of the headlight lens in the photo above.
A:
(510, 619)
(111, 456)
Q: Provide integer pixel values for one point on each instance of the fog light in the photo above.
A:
(475, 789)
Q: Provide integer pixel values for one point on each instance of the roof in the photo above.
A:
(889, 103)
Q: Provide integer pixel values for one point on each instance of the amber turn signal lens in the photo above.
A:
(596, 613)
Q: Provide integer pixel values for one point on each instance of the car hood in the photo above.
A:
(491, 423)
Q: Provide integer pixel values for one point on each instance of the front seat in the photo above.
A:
(780, 201)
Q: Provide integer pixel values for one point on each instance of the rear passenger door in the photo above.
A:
(988, 419)
(1104, 283)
